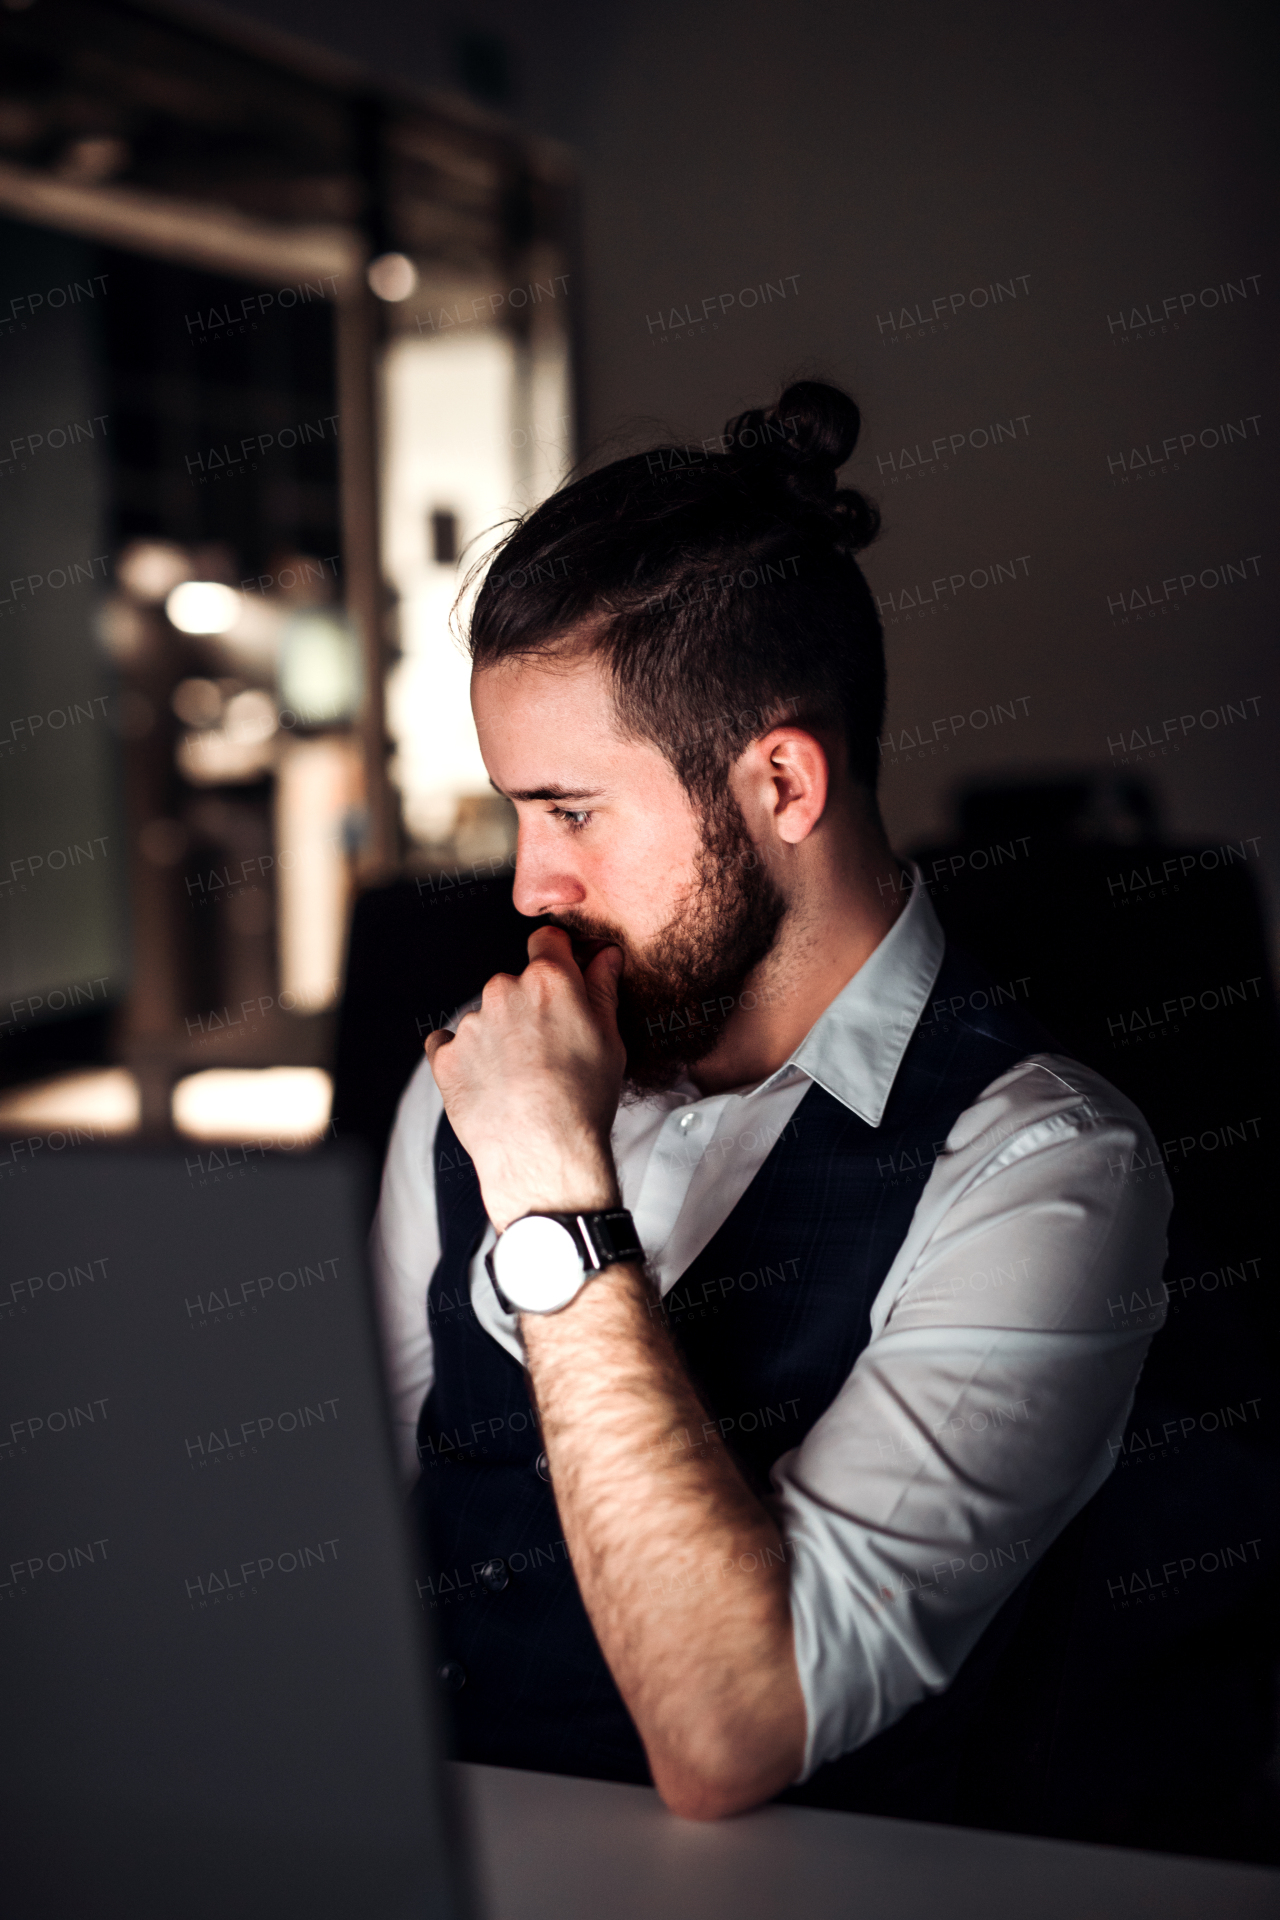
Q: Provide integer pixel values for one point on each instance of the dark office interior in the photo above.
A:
(302, 303)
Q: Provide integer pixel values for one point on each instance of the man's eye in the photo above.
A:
(574, 821)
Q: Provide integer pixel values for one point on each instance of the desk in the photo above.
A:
(558, 1849)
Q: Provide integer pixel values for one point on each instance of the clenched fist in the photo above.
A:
(531, 1082)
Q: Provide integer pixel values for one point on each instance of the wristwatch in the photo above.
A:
(544, 1260)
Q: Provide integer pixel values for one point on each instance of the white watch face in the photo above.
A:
(537, 1264)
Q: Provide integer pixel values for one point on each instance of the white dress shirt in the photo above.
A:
(991, 1399)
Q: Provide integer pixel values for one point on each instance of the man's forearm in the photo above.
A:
(681, 1568)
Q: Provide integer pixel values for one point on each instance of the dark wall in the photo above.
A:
(1065, 174)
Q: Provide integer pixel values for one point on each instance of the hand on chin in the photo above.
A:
(531, 1081)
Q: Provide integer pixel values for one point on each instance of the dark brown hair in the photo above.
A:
(717, 582)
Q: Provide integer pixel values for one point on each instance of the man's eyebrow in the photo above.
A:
(549, 793)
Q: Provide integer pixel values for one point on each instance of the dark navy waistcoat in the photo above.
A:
(769, 1319)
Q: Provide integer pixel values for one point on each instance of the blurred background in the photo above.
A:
(300, 303)
(281, 344)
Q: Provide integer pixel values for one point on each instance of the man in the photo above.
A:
(741, 1455)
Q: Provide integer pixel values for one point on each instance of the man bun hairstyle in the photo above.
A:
(717, 583)
(800, 444)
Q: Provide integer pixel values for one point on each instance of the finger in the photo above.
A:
(550, 943)
(435, 1041)
(601, 980)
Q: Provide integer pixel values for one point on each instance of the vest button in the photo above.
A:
(494, 1574)
(542, 1466)
(452, 1676)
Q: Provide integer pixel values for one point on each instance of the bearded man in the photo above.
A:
(744, 1264)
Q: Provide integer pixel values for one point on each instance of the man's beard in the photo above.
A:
(676, 994)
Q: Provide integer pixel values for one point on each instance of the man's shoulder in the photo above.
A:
(1051, 1164)
(1047, 1099)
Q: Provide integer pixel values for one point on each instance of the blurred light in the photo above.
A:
(302, 579)
(250, 717)
(121, 629)
(211, 758)
(286, 1105)
(448, 406)
(318, 784)
(251, 645)
(319, 670)
(202, 606)
(484, 827)
(108, 1101)
(392, 276)
(197, 703)
(93, 157)
(150, 569)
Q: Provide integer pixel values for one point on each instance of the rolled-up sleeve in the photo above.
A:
(989, 1403)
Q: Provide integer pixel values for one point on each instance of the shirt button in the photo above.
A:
(543, 1467)
(494, 1574)
(688, 1120)
(452, 1676)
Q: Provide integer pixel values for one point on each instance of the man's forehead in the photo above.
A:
(532, 686)
(548, 729)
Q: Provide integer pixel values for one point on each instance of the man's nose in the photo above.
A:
(545, 881)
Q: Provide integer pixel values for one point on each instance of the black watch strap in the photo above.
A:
(604, 1238)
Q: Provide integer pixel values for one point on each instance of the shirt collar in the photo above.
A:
(854, 1049)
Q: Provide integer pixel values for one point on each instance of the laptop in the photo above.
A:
(216, 1685)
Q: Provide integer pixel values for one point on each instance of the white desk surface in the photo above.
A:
(552, 1848)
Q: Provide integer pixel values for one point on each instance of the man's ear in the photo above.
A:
(787, 776)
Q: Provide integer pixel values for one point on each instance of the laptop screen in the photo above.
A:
(214, 1681)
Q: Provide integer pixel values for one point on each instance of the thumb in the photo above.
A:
(601, 982)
